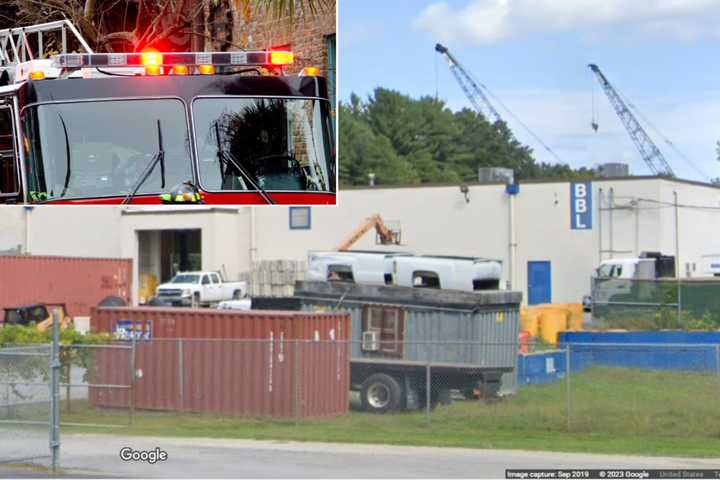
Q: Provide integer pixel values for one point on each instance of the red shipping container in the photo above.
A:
(279, 364)
(79, 283)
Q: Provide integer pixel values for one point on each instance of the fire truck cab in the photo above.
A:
(88, 128)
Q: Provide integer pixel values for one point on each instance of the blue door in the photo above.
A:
(539, 283)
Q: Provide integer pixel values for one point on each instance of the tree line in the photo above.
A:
(407, 141)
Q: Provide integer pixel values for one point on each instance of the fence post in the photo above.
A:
(568, 392)
(428, 384)
(7, 398)
(296, 381)
(132, 380)
(181, 374)
(717, 361)
(55, 392)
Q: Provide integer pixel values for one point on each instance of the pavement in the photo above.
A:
(85, 455)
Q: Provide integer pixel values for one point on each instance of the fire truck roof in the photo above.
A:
(185, 87)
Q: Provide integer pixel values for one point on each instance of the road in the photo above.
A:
(210, 458)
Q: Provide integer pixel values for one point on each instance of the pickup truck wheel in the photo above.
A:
(381, 393)
(196, 300)
(237, 295)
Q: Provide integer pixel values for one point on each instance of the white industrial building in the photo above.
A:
(549, 235)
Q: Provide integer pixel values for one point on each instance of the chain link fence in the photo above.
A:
(25, 404)
(656, 304)
(664, 390)
(658, 389)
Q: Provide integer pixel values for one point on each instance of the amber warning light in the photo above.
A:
(282, 58)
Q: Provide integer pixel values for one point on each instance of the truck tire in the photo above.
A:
(381, 393)
(237, 295)
(196, 300)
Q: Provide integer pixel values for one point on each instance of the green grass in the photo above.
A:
(613, 411)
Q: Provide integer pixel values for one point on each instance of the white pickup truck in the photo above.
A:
(198, 289)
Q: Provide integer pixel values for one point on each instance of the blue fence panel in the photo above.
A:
(540, 368)
(678, 354)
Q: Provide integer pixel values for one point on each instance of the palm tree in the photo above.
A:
(290, 8)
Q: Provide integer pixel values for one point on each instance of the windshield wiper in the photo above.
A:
(227, 157)
(158, 158)
(67, 156)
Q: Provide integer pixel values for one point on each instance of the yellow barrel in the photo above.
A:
(552, 322)
(576, 316)
(530, 321)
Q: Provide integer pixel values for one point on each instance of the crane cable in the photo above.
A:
(515, 117)
(667, 140)
(595, 120)
(595, 126)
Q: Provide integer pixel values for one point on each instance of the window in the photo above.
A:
(390, 323)
(340, 273)
(205, 280)
(214, 278)
(331, 44)
(604, 271)
(101, 148)
(277, 144)
(422, 279)
(8, 172)
(300, 218)
(486, 284)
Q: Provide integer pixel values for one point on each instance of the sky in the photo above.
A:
(661, 55)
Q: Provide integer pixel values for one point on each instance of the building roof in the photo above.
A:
(534, 181)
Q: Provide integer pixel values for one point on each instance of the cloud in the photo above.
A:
(481, 22)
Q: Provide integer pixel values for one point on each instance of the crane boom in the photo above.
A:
(650, 153)
(385, 235)
(471, 89)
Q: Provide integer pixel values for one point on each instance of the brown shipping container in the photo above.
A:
(79, 283)
(279, 364)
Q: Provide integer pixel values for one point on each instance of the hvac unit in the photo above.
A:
(371, 341)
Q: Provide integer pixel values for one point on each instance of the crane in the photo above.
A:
(471, 89)
(650, 153)
(477, 97)
(385, 235)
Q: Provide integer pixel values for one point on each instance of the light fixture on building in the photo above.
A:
(465, 190)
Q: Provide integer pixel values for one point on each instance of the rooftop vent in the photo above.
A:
(613, 170)
(495, 175)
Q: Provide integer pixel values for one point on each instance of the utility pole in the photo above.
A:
(677, 258)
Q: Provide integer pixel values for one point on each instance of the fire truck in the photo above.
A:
(79, 127)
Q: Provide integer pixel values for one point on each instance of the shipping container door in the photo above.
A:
(539, 283)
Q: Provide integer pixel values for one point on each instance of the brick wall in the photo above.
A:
(226, 27)
(306, 34)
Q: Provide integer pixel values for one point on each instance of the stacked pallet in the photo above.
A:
(274, 278)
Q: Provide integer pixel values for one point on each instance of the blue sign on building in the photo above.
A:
(581, 206)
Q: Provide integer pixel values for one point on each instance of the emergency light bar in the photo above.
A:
(273, 58)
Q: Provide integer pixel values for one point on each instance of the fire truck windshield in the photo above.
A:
(100, 148)
(283, 144)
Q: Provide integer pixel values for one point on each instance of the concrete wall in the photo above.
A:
(438, 220)
(222, 243)
(434, 220)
